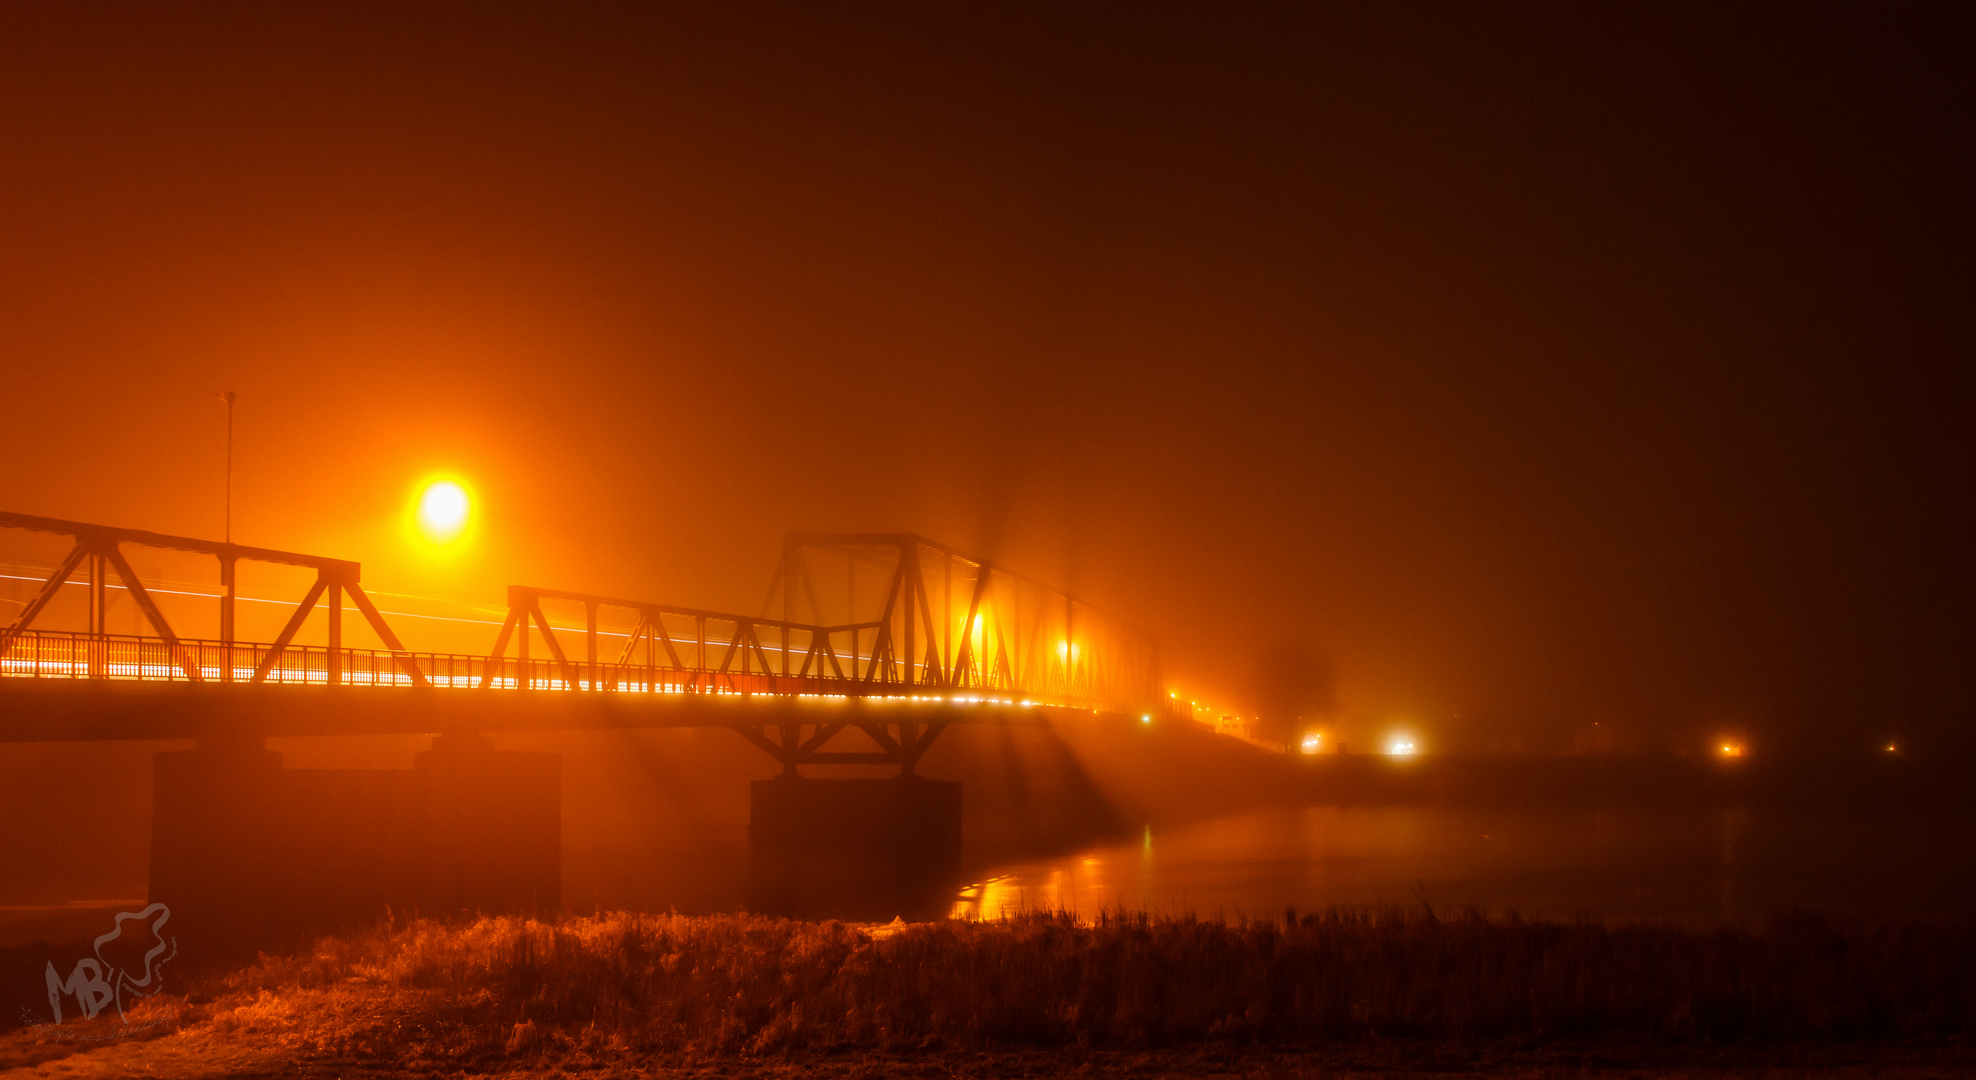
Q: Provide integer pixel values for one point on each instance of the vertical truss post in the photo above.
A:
(333, 668)
(99, 611)
(524, 679)
(227, 593)
(590, 639)
(99, 594)
(907, 577)
(1069, 649)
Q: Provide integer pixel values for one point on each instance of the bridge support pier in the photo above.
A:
(250, 856)
(862, 850)
(489, 828)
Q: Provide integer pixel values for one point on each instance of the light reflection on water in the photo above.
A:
(1701, 866)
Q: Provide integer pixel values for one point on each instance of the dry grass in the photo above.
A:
(625, 987)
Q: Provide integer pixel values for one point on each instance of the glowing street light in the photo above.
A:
(1400, 747)
(444, 510)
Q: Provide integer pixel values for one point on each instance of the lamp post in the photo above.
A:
(226, 561)
(227, 397)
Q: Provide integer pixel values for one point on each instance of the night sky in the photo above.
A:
(1534, 367)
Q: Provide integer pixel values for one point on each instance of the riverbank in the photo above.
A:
(194, 1057)
(1387, 991)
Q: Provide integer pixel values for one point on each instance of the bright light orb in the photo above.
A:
(443, 512)
(1312, 742)
(1400, 747)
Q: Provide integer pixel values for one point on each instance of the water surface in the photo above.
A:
(1699, 867)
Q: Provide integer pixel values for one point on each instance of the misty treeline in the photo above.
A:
(1289, 682)
(643, 984)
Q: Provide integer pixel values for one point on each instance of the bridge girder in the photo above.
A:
(788, 686)
(102, 547)
(1013, 632)
(61, 710)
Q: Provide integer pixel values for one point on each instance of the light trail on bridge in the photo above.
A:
(285, 603)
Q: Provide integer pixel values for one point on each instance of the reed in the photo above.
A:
(626, 984)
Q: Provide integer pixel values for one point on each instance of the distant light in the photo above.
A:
(1146, 718)
(1893, 749)
(1311, 742)
(1731, 750)
(443, 511)
(1400, 747)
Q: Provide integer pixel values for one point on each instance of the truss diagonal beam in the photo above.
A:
(824, 733)
(760, 739)
(383, 630)
(288, 632)
(49, 589)
(151, 613)
(879, 735)
(570, 678)
(965, 656)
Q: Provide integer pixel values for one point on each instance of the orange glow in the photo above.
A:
(1730, 750)
(444, 511)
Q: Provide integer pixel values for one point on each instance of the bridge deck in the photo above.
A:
(43, 710)
(59, 686)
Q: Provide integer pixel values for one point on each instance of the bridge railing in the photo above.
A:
(55, 654)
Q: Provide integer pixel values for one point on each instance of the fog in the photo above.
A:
(1558, 369)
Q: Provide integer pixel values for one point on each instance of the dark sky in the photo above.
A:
(1538, 366)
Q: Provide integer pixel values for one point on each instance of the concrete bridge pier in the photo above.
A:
(488, 828)
(220, 837)
(860, 850)
(250, 856)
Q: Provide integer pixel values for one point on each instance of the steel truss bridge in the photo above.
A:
(889, 636)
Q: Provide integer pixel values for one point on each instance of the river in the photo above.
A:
(1699, 867)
